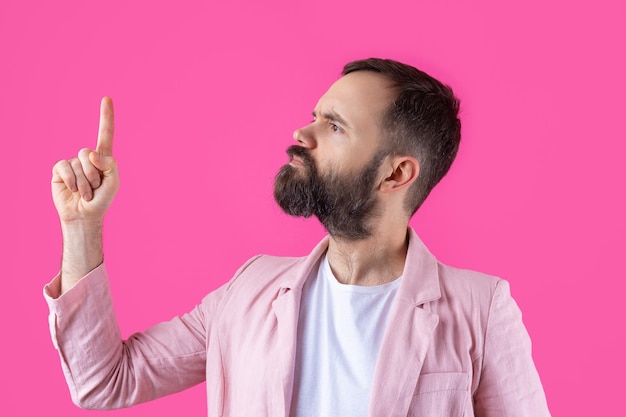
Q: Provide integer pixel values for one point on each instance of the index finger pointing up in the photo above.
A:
(106, 128)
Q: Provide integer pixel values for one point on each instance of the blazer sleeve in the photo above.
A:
(509, 383)
(102, 370)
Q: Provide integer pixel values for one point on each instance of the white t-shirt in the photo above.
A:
(340, 331)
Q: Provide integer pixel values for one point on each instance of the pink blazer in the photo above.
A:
(455, 344)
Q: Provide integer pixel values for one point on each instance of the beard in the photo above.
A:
(345, 204)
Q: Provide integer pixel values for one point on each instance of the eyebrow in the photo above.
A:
(333, 116)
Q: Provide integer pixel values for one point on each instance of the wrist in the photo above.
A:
(82, 250)
(81, 225)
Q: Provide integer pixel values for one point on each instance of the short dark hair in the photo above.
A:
(421, 122)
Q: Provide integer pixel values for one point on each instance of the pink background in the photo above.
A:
(207, 95)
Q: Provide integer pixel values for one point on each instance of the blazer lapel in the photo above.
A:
(286, 308)
(408, 334)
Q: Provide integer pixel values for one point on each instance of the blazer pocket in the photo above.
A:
(442, 394)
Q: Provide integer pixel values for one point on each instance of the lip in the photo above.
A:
(295, 161)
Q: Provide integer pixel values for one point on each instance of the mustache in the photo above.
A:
(301, 153)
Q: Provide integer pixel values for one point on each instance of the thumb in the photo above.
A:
(105, 164)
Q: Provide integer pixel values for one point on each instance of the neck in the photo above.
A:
(376, 260)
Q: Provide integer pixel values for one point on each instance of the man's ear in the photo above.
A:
(402, 172)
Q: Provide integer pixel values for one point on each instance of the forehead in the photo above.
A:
(359, 97)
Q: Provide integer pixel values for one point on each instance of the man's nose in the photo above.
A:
(305, 137)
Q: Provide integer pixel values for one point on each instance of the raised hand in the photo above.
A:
(84, 187)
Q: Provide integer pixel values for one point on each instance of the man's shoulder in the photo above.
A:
(270, 265)
(467, 287)
(264, 270)
(254, 287)
(433, 276)
(422, 263)
(466, 278)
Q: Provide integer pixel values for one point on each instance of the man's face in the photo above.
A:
(334, 172)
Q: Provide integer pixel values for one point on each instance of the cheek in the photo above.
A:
(354, 160)
(331, 163)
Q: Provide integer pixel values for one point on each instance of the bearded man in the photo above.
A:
(369, 324)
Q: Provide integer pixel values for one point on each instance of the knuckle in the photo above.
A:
(61, 168)
(84, 152)
(58, 165)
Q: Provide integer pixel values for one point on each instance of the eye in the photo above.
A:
(335, 128)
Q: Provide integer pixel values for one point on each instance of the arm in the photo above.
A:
(105, 372)
(101, 370)
(509, 384)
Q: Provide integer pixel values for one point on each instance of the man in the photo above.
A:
(369, 324)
